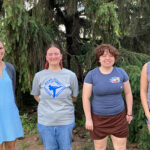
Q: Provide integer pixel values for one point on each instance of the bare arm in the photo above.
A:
(73, 99)
(36, 97)
(86, 94)
(129, 100)
(143, 91)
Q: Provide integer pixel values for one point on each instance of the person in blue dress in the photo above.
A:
(10, 123)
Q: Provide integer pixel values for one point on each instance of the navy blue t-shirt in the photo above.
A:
(107, 91)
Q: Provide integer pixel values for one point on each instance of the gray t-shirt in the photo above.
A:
(107, 91)
(55, 90)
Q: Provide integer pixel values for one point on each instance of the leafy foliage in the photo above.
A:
(105, 23)
(134, 24)
(143, 138)
(29, 123)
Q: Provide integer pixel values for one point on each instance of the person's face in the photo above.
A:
(53, 56)
(2, 51)
(107, 59)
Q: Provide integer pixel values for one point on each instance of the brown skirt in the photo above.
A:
(116, 125)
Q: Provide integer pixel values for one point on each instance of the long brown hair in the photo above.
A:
(53, 45)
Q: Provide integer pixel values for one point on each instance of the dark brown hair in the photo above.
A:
(53, 45)
(99, 51)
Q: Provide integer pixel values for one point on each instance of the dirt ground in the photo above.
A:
(81, 141)
(33, 142)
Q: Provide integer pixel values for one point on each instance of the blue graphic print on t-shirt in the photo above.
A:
(53, 87)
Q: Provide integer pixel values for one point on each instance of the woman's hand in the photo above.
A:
(129, 118)
(36, 97)
(89, 124)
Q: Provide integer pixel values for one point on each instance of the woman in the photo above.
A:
(55, 88)
(10, 124)
(106, 115)
(145, 91)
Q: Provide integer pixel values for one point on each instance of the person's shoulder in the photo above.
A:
(41, 72)
(68, 71)
(93, 71)
(122, 73)
(145, 69)
(9, 66)
(120, 70)
(146, 65)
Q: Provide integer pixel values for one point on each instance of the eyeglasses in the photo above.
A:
(53, 54)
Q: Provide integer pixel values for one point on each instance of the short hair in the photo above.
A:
(99, 51)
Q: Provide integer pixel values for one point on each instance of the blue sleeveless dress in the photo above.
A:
(10, 123)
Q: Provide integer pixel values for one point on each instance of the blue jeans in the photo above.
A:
(56, 137)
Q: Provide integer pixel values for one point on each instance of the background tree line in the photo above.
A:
(86, 24)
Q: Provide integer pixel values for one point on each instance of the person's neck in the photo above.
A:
(54, 68)
(106, 70)
(1, 64)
